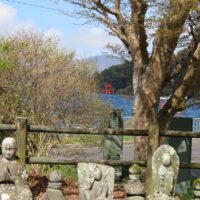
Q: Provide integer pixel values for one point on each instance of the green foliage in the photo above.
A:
(127, 138)
(68, 171)
(5, 61)
(189, 195)
(41, 81)
(136, 169)
(120, 76)
(196, 182)
(83, 139)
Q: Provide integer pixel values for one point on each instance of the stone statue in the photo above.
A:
(165, 167)
(95, 181)
(53, 191)
(13, 185)
(134, 188)
(196, 189)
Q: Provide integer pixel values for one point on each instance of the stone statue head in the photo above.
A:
(9, 148)
(166, 160)
(97, 173)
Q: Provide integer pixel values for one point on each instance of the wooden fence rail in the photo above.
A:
(22, 128)
(46, 160)
(96, 131)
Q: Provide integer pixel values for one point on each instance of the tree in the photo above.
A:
(169, 24)
(43, 82)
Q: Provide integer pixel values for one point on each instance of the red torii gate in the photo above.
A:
(108, 89)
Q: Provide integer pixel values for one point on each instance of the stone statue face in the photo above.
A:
(166, 160)
(9, 148)
(97, 173)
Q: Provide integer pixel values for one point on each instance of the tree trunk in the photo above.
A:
(146, 104)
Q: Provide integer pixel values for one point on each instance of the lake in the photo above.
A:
(125, 103)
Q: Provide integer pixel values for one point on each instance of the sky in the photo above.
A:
(85, 39)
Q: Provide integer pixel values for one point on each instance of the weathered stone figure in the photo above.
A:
(165, 167)
(13, 185)
(53, 191)
(95, 181)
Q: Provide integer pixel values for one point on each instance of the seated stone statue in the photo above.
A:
(13, 185)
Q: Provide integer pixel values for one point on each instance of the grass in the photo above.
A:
(68, 171)
(83, 139)
(189, 195)
(127, 138)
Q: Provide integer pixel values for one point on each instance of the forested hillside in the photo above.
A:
(120, 76)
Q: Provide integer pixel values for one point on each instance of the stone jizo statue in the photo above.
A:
(165, 167)
(95, 181)
(13, 184)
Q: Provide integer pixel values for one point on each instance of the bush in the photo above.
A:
(42, 81)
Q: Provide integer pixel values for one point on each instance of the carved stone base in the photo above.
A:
(54, 194)
(135, 198)
(162, 196)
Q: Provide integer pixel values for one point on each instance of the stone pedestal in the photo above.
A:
(134, 188)
(53, 191)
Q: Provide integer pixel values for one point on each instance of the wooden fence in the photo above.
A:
(22, 128)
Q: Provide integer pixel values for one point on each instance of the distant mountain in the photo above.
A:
(103, 62)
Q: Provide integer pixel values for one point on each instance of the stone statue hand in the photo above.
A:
(89, 184)
(7, 174)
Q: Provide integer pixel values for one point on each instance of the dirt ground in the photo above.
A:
(38, 185)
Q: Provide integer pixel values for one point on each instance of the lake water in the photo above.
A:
(125, 103)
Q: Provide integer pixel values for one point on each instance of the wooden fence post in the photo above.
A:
(153, 143)
(21, 137)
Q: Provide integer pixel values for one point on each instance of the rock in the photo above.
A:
(54, 195)
(134, 188)
(197, 193)
(55, 177)
(196, 184)
(134, 177)
(55, 186)
(135, 169)
(135, 198)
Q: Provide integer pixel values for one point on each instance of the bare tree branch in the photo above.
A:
(117, 4)
(142, 32)
(187, 86)
(104, 7)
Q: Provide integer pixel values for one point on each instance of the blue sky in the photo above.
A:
(86, 40)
